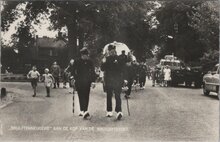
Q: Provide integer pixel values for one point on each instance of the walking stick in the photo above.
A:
(73, 103)
(128, 107)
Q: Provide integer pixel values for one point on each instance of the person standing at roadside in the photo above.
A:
(56, 72)
(142, 74)
(154, 76)
(167, 75)
(33, 75)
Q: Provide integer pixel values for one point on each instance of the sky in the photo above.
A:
(41, 29)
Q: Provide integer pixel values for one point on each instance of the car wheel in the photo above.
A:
(188, 84)
(218, 96)
(205, 91)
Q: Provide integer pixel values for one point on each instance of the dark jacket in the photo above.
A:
(70, 69)
(123, 59)
(113, 72)
(142, 70)
(55, 70)
(130, 72)
(84, 72)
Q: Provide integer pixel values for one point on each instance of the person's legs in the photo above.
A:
(35, 90)
(117, 92)
(86, 95)
(81, 99)
(141, 81)
(48, 91)
(109, 91)
(54, 84)
(144, 80)
(58, 82)
(153, 82)
(34, 86)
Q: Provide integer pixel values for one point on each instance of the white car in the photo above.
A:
(211, 81)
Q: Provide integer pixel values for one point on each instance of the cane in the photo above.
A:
(128, 107)
(125, 86)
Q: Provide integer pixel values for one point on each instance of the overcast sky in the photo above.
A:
(41, 29)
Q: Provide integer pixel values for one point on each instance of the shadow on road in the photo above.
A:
(184, 87)
(212, 96)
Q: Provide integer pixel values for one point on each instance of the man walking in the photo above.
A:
(34, 76)
(69, 76)
(84, 73)
(142, 74)
(113, 81)
(55, 71)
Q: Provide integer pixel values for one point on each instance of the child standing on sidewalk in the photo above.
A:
(48, 81)
(33, 75)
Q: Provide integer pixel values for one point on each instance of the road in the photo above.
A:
(157, 114)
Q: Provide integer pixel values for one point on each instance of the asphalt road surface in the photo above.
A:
(157, 114)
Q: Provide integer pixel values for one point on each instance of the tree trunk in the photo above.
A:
(72, 44)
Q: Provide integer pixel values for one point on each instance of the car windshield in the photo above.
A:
(167, 63)
(175, 64)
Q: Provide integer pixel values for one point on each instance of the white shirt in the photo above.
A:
(48, 79)
(33, 74)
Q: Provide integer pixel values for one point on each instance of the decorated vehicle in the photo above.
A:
(211, 81)
(119, 47)
(180, 73)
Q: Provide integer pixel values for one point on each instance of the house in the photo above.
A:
(47, 50)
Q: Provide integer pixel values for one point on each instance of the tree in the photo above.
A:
(102, 21)
(182, 28)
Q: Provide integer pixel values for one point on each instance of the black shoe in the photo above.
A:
(119, 116)
(34, 95)
(86, 115)
(48, 96)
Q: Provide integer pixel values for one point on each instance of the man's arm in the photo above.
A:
(28, 75)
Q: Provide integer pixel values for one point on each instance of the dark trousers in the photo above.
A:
(129, 85)
(142, 81)
(117, 91)
(57, 82)
(48, 91)
(83, 93)
(34, 85)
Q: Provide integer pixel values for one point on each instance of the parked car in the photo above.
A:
(180, 73)
(211, 81)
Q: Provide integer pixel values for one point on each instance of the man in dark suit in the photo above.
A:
(84, 73)
(142, 74)
(113, 79)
